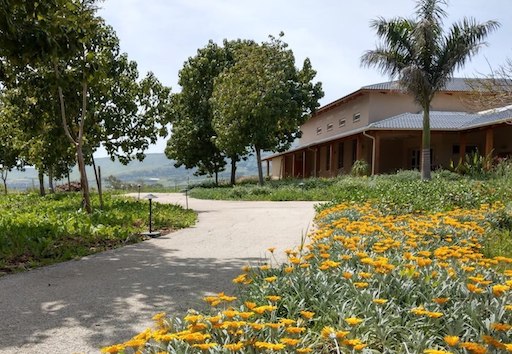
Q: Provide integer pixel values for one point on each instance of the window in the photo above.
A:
(341, 154)
(354, 151)
(318, 131)
(470, 149)
(356, 117)
(416, 159)
(342, 122)
(329, 127)
(327, 158)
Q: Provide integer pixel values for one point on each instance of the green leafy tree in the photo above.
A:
(100, 99)
(10, 156)
(424, 57)
(192, 142)
(260, 102)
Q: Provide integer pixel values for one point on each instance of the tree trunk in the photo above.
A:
(260, 168)
(425, 145)
(233, 170)
(4, 179)
(42, 192)
(50, 181)
(84, 184)
(217, 177)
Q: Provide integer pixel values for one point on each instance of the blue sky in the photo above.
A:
(161, 34)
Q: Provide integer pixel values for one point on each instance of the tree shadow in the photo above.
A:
(107, 296)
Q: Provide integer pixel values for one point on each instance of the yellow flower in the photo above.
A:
(295, 330)
(435, 351)
(113, 348)
(304, 350)
(234, 346)
(289, 341)
(271, 249)
(240, 279)
(501, 326)
(441, 300)
(474, 348)
(451, 340)
(328, 332)
(273, 298)
(361, 285)
(499, 289)
(270, 279)
(307, 314)
(205, 346)
(269, 346)
(380, 301)
(353, 321)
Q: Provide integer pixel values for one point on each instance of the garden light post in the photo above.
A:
(150, 197)
(138, 186)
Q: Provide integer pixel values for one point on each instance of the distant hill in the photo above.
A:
(156, 168)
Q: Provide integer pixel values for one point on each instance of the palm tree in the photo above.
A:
(423, 57)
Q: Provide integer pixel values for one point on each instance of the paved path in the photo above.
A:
(78, 306)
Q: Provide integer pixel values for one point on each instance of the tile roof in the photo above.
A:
(454, 84)
(443, 120)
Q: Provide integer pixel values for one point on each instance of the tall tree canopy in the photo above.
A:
(100, 100)
(192, 142)
(260, 102)
(424, 57)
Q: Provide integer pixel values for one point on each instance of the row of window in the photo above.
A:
(341, 123)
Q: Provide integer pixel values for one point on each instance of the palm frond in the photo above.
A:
(431, 10)
(463, 41)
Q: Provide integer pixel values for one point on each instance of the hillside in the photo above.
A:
(156, 168)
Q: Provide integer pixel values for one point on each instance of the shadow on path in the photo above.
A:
(84, 297)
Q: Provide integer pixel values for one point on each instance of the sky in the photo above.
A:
(160, 35)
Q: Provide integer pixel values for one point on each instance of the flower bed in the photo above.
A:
(370, 281)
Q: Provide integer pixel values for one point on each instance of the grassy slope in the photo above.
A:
(37, 230)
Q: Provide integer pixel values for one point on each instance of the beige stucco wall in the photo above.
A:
(276, 167)
(389, 104)
(345, 111)
(372, 106)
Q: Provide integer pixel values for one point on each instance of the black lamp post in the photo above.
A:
(138, 186)
(151, 233)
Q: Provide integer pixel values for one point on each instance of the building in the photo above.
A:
(383, 126)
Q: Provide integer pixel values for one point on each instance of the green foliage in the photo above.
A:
(260, 102)
(404, 191)
(42, 230)
(360, 168)
(474, 165)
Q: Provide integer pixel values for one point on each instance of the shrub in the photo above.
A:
(360, 168)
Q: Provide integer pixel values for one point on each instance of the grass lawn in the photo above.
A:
(36, 231)
(396, 265)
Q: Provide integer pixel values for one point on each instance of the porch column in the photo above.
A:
(293, 165)
(489, 141)
(304, 164)
(376, 163)
(268, 168)
(358, 148)
(314, 163)
(331, 156)
(283, 167)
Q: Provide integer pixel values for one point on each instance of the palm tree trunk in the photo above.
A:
(425, 145)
